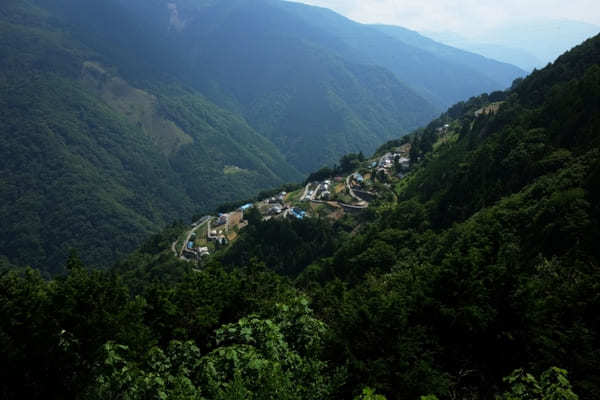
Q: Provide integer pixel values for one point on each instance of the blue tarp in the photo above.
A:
(298, 213)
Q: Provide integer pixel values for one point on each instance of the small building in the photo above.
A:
(444, 128)
(203, 252)
(246, 207)
(275, 210)
(387, 158)
(404, 162)
(297, 213)
(222, 220)
(358, 178)
(325, 195)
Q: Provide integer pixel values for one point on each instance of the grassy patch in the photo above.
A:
(232, 169)
(294, 196)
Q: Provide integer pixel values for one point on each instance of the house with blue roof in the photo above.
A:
(246, 206)
(298, 213)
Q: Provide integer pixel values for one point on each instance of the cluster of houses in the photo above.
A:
(325, 190)
(280, 198)
(219, 227)
(395, 161)
(269, 208)
(229, 221)
(279, 208)
(322, 191)
(358, 178)
(309, 195)
(217, 236)
(442, 130)
(222, 219)
(387, 161)
(193, 252)
(276, 204)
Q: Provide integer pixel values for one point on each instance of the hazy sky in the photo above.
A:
(466, 17)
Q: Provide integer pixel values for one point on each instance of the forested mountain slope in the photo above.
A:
(488, 261)
(94, 163)
(484, 266)
(259, 61)
(316, 84)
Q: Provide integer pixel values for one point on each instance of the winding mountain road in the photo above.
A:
(204, 220)
(305, 191)
(361, 203)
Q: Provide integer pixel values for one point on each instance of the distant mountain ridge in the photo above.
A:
(527, 43)
(499, 72)
(442, 74)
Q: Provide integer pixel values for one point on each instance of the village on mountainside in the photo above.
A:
(331, 197)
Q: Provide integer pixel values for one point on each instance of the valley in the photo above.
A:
(180, 114)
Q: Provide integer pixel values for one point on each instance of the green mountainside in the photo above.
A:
(477, 278)
(260, 62)
(91, 162)
(314, 83)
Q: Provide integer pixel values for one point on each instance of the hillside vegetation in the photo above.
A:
(480, 281)
(259, 61)
(94, 163)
